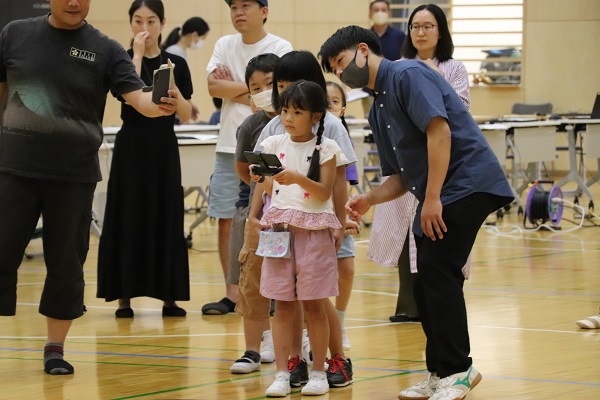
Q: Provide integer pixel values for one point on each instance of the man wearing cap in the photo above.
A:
(226, 80)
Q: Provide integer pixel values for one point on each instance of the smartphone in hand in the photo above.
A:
(162, 81)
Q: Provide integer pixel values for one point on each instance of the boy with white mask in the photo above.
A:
(244, 264)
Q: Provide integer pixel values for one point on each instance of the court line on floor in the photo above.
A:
(263, 373)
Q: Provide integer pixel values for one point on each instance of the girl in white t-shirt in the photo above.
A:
(301, 203)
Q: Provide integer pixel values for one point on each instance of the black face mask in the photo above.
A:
(354, 76)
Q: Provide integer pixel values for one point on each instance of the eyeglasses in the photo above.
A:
(425, 27)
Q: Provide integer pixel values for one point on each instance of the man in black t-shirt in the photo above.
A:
(55, 73)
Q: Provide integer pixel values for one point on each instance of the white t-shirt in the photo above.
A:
(295, 156)
(232, 52)
(333, 129)
(177, 50)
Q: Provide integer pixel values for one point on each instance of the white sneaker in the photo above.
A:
(306, 348)
(267, 355)
(245, 364)
(345, 341)
(317, 384)
(456, 386)
(281, 386)
(592, 322)
(422, 390)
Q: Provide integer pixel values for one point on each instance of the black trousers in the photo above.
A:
(66, 210)
(405, 304)
(439, 283)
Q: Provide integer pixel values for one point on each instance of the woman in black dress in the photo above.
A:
(143, 250)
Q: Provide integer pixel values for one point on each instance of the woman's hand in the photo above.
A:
(195, 112)
(432, 65)
(139, 44)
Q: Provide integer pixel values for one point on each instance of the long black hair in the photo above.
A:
(309, 96)
(194, 24)
(296, 65)
(445, 46)
(156, 6)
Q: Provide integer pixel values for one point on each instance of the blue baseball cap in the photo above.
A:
(264, 3)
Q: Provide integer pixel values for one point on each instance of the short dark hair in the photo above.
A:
(218, 102)
(379, 1)
(445, 46)
(348, 38)
(294, 66)
(309, 96)
(261, 4)
(263, 63)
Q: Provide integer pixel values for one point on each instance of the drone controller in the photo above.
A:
(264, 164)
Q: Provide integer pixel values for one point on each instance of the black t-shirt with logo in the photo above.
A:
(56, 86)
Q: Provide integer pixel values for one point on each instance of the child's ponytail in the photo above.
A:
(314, 168)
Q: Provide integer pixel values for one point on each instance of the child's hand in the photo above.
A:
(254, 224)
(287, 177)
(255, 177)
(352, 228)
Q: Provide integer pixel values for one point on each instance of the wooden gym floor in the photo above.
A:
(525, 293)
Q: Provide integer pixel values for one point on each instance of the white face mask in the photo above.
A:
(340, 113)
(197, 45)
(380, 18)
(262, 100)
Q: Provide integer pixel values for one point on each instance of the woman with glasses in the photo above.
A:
(430, 41)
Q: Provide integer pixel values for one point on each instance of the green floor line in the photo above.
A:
(230, 380)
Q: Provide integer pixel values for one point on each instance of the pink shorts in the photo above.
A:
(311, 273)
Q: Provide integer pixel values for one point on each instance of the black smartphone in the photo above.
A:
(162, 82)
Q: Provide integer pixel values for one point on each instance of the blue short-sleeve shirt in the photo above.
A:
(408, 94)
(391, 43)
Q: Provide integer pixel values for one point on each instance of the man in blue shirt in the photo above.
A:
(391, 39)
(429, 145)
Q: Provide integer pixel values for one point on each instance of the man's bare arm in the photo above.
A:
(142, 102)
(221, 84)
